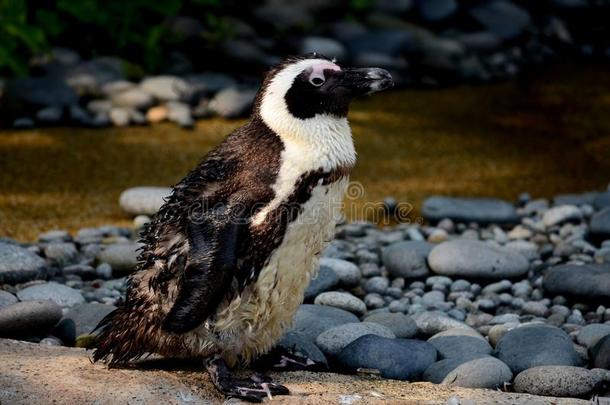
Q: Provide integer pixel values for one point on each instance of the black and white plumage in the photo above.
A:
(226, 260)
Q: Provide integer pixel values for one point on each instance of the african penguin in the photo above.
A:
(227, 258)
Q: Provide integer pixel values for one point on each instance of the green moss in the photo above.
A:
(496, 140)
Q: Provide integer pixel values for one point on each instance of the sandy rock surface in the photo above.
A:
(30, 373)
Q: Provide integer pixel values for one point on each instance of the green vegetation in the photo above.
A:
(136, 29)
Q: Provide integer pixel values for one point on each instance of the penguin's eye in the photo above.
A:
(316, 81)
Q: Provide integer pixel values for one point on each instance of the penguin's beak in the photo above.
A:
(366, 80)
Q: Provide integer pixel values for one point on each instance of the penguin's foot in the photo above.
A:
(281, 359)
(253, 389)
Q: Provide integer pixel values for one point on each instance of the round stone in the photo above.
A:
(325, 280)
(400, 359)
(18, 265)
(407, 259)
(481, 372)
(61, 294)
(143, 200)
(87, 316)
(61, 253)
(466, 210)
(586, 281)
(401, 325)
(456, 342)
(311, 320)
(348, 273)
(560, 215)
(164, 88)
(30, 318)
(557, 381)
(472, 258)
(122, 257)
(377, 285)
(521, 347)
(341, 300)
(6, 299)
(432, 322)
(600, 353)
(333, 340)
(590, 334)
(301, 345)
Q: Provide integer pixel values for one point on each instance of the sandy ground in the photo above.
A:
(34, 374)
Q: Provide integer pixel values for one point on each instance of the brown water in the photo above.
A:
(548, 137)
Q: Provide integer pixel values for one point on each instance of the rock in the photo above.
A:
(301, 345)
(40, 92)
(18, 265)
(557, 381)
(165, 88)
(400, 359)
(501, 17)
(326, 280)
(529, 250)
(520, 348)
(333, 340)
(100, 106)
(456, 342)
(87, 316)
(602, 200)
(82, 270)
(50, 115)
(479, 41)
(575, 199)
(132, 98)
(435, 10)
(54, 236)
(393, 6)
(591, 281)
(232, 102)
(311, 320)
(560, 215)
(341, 300)
(377, 285)
(600, 353)
(348, 273)
(472, 258)
(209, 82)
(180, 113)
(119, 116)
(401, 325)
(325, 46)
(430, 323)
(479, 210)
(6, 299)
(156, 114)
(143, 200)
(535, 308)
(600, 224)
(23, 123)
(437, 371)
(386, 42)
(477, 372)
(407, 259)
(590, 334)
(122, 257)
(284, 17)
(30, 318)
(61, 253)
(88, 77)
(61, 294)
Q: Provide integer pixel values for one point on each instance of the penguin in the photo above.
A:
(225, 262)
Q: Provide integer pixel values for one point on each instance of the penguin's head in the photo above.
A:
(313, 86)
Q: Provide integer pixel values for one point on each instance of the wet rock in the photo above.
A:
(311, 320)
(401, 325)
(557, 381)
(591, 281)
(407, 259)
(143, 200)
(471, 258)
(87, 316)
(61, 294)
(122, 257)
(520, 348)
(18, 265)
(479, 210)
(600, 353)
(325, 280)
(348, 273)
(341, 300)
(30, 318)
(400, 359)
(456, 342)
(333, 340)
(503, 18)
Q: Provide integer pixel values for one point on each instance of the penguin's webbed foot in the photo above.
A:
(253, 389)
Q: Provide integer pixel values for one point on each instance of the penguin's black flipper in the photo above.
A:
(212, 259)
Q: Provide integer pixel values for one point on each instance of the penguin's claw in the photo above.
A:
(253, 389)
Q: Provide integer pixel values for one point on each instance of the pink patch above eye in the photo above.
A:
(318, 70)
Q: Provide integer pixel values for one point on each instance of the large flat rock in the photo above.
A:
(30, 373)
